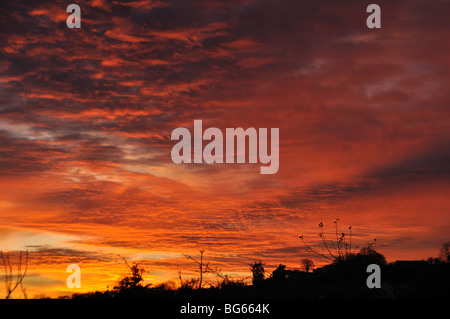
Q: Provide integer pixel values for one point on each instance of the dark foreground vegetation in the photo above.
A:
(344, 278)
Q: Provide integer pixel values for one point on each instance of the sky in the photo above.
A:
(86, 117)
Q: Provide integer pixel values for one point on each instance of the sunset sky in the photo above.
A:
(86, 117)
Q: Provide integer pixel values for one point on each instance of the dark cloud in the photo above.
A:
(433, 162)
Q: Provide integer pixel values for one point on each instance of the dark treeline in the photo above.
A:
(344, 277)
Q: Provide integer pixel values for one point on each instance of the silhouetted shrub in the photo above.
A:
(258, 272)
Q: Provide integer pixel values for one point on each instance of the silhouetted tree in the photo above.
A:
(134, 279)
(359, 262)
(433, 261)
(444, 253)
(13, 281)
(307, 264)
(371, 255)
(258, 272)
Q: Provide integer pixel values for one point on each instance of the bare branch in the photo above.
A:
(11, 281)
